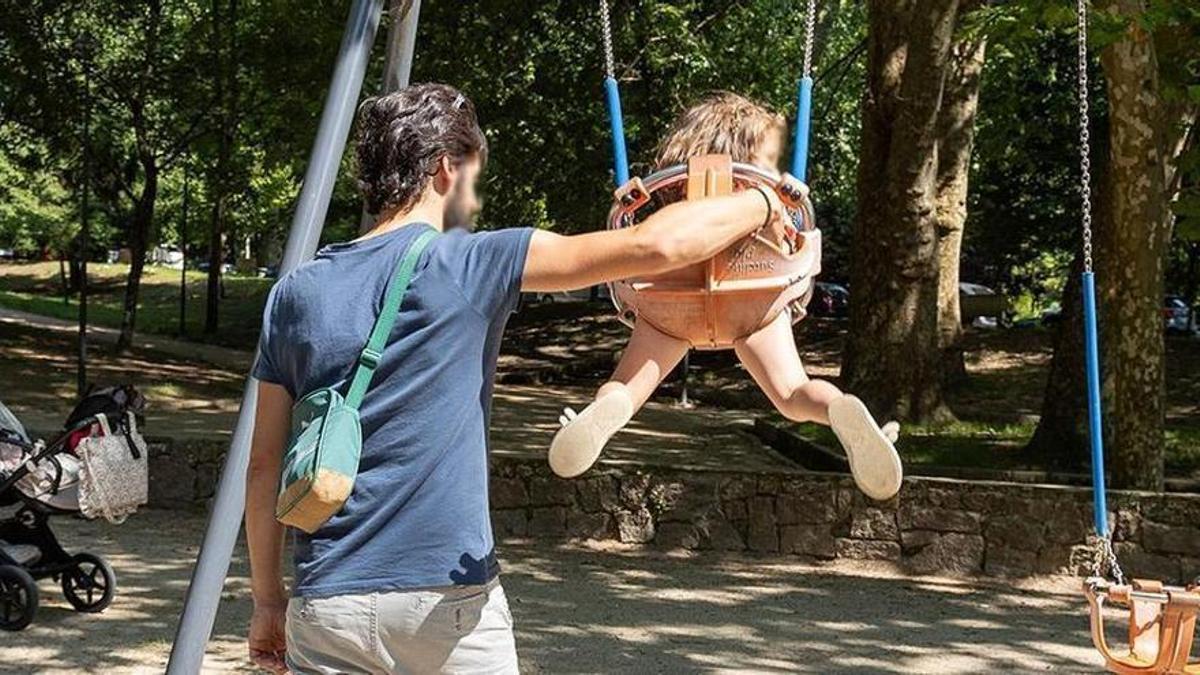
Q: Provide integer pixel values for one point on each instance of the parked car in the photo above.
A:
(7, 254)
(1176, 314)
(981, 306)
(829, 300)
(580, 295)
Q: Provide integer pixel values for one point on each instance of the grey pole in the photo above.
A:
(212, 565)
(402, 44)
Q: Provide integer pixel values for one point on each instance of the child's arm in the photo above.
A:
(680, 234)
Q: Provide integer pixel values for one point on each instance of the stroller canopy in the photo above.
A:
(9, 424)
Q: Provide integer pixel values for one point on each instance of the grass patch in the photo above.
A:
(37, 288)
(961, 444)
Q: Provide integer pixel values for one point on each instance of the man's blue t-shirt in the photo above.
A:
(418, 515)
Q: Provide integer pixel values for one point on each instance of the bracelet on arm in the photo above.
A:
(770, 206)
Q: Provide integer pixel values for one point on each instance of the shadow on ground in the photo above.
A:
(581, 609)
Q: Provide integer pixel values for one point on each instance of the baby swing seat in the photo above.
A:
(1162, 623)
(741, 289)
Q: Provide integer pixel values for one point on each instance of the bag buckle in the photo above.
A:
(369, 357)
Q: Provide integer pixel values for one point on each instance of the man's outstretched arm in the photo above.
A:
(675, 236)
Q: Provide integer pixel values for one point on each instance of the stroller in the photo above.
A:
(95, 467)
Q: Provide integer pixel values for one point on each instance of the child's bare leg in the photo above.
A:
(648, 357)
(771, 356)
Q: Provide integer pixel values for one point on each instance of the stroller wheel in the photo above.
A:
(18, 598)
(90, 585)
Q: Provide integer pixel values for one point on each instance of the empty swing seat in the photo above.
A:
(738, 291)
(1162, 624)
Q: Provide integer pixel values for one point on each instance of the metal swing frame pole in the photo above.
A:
(212, 565)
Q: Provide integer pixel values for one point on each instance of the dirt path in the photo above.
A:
(582, 609)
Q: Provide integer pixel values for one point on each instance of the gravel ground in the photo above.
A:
(608, 609)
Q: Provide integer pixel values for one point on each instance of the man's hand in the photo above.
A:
(268, 641)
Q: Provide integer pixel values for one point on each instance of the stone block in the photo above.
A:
(912, 541)
(769, 486)
(873, 523)
(923, 517)
(737, 488)
(944, 496)
(864, 549)
(1127, 525)
(795, 508)
(1009, 562)
(950, 553)
(719, 534)
(1173, 509)
(508, 493)
(810, 540)
(1158, 538)
(1070, 523)
(551, 490)
(635, 527)
(549, 521)
(584, 525)
(677, 502)
(172, 481)
(735, 510)
(597, 493)
(208, 475)
(1055, 559)
(762, 536)
(1015, 532)
(677, 536)
(634, 492)
(985, 501)
(1145, 565)
(510, 522)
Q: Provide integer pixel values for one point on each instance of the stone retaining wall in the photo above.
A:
(934, 526)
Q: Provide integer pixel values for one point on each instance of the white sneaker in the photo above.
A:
(873, 458)
(577, 446)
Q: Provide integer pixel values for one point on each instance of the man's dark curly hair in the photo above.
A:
(403, 135)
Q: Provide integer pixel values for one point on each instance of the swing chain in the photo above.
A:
(1105, 558)
(606, 27)
(1085, 147)
(810, 20)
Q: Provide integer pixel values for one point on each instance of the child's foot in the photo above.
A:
(873, 459)
(578, 444)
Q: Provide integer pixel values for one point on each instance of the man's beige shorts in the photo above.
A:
(454, 629)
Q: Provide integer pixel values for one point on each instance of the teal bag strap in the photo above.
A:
(368, 359)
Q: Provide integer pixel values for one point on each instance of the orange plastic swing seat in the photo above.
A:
(1162, 625)
(740, 290)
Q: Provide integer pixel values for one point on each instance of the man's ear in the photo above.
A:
(443, 180)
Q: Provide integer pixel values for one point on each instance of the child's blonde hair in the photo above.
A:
(722, 123)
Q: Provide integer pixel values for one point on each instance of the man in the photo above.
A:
(404, 578)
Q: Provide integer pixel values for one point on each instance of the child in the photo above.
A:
(728, 124)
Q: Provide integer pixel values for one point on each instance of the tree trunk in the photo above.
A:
(1060, 439)
(893, 356)
(139, 237)
(1138, 243)
(960, 101)
(223, 24)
